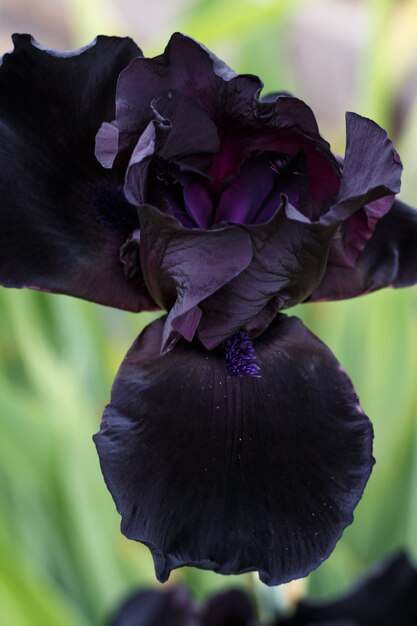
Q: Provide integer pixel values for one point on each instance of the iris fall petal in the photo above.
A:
(235, 474)
(62, 222)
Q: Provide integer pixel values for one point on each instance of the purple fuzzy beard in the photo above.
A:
(240, 356)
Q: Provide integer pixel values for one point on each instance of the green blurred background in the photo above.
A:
(63, 561)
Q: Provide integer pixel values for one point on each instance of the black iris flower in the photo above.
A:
(386, 596)
(233, 440)
(174, 607)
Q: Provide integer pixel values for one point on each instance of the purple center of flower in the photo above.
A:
(240, 356)
(251, 194)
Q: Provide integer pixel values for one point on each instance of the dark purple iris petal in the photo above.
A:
(62, 218)
(371, 178)
(231, 608)
(179, 195)
(235, 146)
(221, 280)
(388, 260)
(288, 125)
(386, 597)
(184, 266)
(210, 112)
(186, 67)
(251, 196)
(107, 144)
(371, 169)
(227, 119)
(157, 608)
(282, 111)
(273, 466)
(352, 235)
(369, 249)
(191, 129)
(198, 204)
(291, 179)
(289, 258)
(180, 129)
(175, 608)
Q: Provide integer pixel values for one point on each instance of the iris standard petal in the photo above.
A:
(371, 171)
(190, 69)
(288, 125)
(235, 474)
(386, 597)
(62, 217)
(388, 260)
(191, 129)
(179, 130)
(250, 194)
(156, 608)
(371, 178)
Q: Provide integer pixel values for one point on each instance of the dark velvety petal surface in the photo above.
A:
(283, 111)
(231, 608)
(250, 194)
(289, 258)
(179, 130)
(387, 597)
(288, 125)
(156, 608)
(235, 474)
(185, 266)
(388, 260)
(62, 217)
(371, 178)
(191, 129)
(371, 169)
(354, 234)
(188, 68)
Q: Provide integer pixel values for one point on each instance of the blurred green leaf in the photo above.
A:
(95, 17)
(216, 20)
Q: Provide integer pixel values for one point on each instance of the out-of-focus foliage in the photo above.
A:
(63, 561)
